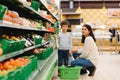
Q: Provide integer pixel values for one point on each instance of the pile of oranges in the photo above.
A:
(13, 64)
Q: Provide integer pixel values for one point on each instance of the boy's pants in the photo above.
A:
(63, 57)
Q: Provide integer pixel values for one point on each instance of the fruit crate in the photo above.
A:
(42, 55)
(45, 54)
(51, 50)
(71, 73)
(3, 77)
(20, 44)
(7, 45)
(18, 74)
(35, 5)
(11, 45)
(34, 63)
(26, 71)
(37, 40)
(11, 75)
(3, 9)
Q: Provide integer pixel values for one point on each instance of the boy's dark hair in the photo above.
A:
(65, 22)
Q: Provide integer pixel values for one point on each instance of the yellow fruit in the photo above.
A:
(3, 35)
(13, 38)
(7, 37)
(1, 51)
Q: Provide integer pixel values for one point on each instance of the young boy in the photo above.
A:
(64, 44)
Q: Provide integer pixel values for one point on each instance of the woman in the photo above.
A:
(89, 51)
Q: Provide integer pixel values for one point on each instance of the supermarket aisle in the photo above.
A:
(108, 68)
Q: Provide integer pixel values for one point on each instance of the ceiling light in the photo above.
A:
(79, 8)
(104, 8)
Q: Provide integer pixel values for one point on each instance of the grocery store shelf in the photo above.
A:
(42, 3)
(16, 53)
(33, 74)
(23, 10)
(30, 8)
(44, 68)
(9, 55)
(5, 24)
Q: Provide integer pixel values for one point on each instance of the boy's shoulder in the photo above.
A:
(69, 33)
(65, 33)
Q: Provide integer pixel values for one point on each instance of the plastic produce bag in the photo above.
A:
(70, 59)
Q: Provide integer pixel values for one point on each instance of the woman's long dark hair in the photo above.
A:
(91, 33)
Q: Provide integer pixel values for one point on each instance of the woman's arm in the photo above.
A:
(88, 45)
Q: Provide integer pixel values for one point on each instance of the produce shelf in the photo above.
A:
(23, 10)
(44, 72)
(16, 53)
(42, 3)
(30, 8)
(5, 24)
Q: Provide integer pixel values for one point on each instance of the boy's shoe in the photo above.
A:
(58, 72)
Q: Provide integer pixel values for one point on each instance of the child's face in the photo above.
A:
(64, 28)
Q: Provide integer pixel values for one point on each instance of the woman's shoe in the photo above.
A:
(92, 70)
(83, 71)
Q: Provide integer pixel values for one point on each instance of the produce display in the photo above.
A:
(13, 43)
(48, 26)
(43, 53)
(22, 36)
(13, 18)
(12, 64)
(35, 4)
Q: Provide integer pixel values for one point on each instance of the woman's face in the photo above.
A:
(85, 31)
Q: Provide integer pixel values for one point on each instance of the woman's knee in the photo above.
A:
(73, 63)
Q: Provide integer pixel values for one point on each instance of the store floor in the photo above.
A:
(108, 68)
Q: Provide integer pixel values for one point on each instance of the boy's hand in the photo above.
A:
(70, 52)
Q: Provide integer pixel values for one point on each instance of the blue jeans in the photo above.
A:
(63, 57)
(81, 62)
(75, 55)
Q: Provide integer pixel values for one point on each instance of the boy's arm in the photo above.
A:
(70, 44)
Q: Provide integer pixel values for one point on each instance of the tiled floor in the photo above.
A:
(108, 68)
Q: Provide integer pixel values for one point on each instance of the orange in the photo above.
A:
(1, 51)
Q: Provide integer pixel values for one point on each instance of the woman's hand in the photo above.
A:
(74, 50)
(78, 57)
